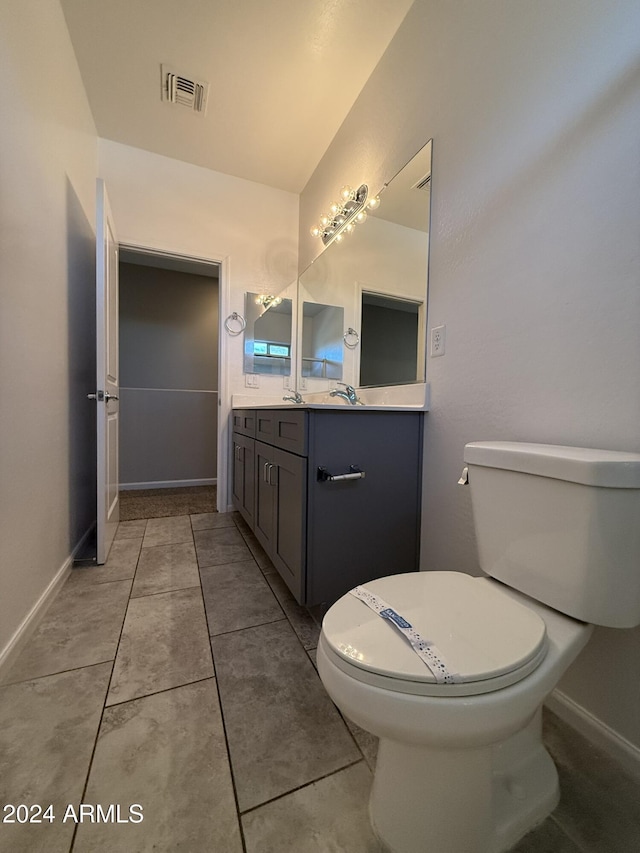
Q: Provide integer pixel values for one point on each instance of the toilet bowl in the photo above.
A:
(453, 678)
(479, 738)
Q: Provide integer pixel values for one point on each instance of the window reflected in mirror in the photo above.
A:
(267, 337)
(322, 341)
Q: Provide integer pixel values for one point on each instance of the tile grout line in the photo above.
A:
(315, 669)
(104, 702)
(285, 618)
(162, 591)
(158, 692)
(222, 719)
(249, 627)
(58, 672)
(303, 786)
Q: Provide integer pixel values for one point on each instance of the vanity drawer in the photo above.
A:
(286, 428)
(244, 422)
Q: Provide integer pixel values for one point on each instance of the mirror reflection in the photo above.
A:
(378, 275)
(390, 351)
(267, 336)
(322, 343)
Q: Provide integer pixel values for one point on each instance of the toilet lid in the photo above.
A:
(482, 634)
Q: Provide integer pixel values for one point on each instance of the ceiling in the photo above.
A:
(283, 75)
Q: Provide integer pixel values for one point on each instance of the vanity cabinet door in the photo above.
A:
(280, 517)
(290, 516)
(244, 476)
(265, 496)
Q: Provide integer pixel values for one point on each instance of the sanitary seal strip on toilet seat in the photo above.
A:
(425, 650)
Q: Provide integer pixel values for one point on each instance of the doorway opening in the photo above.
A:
(169, 383)
(390, 352)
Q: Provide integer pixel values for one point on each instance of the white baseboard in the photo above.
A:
(31, 621)
(166, 484)
(600, 734)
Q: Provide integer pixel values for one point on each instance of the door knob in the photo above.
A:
(102, 395)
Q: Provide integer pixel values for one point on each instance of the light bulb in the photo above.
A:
(349, 227)
(361, 216)
(334, 207)
(346, 192)
(324, 220)
(315, 231)
(338, 238)
(374, 202)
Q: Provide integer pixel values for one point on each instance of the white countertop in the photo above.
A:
(394, 398)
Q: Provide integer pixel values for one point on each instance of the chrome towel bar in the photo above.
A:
(354, 474)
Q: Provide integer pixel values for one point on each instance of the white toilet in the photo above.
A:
(461, 766)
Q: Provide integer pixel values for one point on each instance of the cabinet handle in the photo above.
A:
(271, 483)
(265, 472)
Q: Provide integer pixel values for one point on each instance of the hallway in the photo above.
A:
(180, 677)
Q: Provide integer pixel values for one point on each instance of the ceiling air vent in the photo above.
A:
(423, 183)
(180, 89)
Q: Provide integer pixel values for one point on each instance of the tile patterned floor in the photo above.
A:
(181, 676)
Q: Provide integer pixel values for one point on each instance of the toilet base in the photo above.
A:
(480, 800)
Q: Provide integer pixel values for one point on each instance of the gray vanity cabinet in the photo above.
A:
(326, 535)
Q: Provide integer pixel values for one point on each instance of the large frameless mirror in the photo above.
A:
(378, 275)
(267, 336)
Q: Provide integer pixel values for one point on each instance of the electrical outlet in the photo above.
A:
(302, 383)
(251, 380)
(437, 340)
(286, 383)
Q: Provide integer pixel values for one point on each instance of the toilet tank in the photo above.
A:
(561, 524)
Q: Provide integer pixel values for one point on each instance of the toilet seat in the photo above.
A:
(487, 637)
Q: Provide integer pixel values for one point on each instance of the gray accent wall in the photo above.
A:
(169, 376)
(389, 346)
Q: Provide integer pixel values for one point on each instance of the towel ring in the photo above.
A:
(235, 318)
(351, 338)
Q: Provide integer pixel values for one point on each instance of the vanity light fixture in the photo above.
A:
(268, 300)
(344, 214)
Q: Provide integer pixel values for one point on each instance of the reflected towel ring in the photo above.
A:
(235, 318)
(351, 338)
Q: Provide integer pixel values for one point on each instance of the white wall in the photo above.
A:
(166, 204)
(47, 306)
(535, 249)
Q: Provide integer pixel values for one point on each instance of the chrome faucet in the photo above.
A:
(349, 394)
(294, 397)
